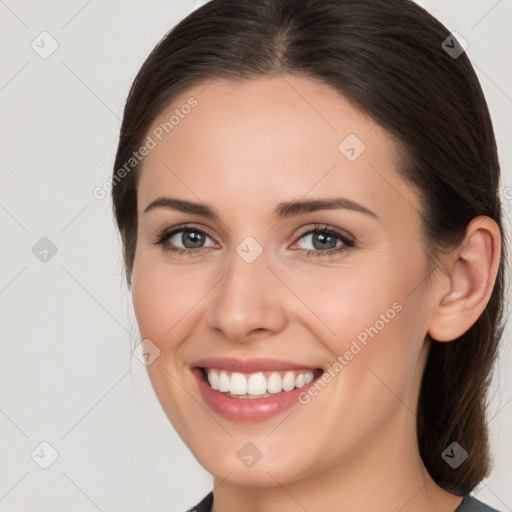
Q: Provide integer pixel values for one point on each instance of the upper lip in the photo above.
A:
(250, 365)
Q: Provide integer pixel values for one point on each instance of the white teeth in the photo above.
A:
(238, 384)
(256, 385)
(213, 379)
(274, 383)
(289, 381)
(224, 382)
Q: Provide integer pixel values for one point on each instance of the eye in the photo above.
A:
(326, 241)
(192, 239)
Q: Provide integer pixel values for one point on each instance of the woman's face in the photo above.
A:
(259, 285)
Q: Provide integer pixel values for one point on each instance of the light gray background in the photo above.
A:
(67, 326)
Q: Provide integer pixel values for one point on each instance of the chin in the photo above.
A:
(263, 473)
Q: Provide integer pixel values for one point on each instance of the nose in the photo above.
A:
(248, 302)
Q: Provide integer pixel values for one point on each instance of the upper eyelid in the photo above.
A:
(188, 227)
(346, 238)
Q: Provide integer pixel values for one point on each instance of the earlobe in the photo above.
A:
(472, 274)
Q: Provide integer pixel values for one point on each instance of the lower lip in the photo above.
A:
(248, 409)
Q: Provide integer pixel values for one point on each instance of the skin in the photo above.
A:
(246, 147)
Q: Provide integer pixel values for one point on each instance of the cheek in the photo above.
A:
(348, 301)
(154, 296)
(166, 297)
(150, 302)
(369, 316)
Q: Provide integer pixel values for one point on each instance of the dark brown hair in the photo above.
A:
(387, 58)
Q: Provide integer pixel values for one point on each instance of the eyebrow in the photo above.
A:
(283, 210)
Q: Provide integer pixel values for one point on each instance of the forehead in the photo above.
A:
(270, 138)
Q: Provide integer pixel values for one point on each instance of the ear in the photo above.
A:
(468, 282)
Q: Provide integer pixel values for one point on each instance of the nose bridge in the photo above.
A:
(247, 297)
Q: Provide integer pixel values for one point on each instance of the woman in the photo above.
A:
(307, 193)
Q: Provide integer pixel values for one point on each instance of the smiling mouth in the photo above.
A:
(262, 384)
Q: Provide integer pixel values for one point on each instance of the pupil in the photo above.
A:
(197, 239)
(323, 237)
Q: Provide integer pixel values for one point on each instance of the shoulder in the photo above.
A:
(471, 504)
(205, 505)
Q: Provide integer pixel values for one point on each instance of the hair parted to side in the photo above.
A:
(385, 56)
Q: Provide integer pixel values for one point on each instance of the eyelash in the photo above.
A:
(348, 242)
